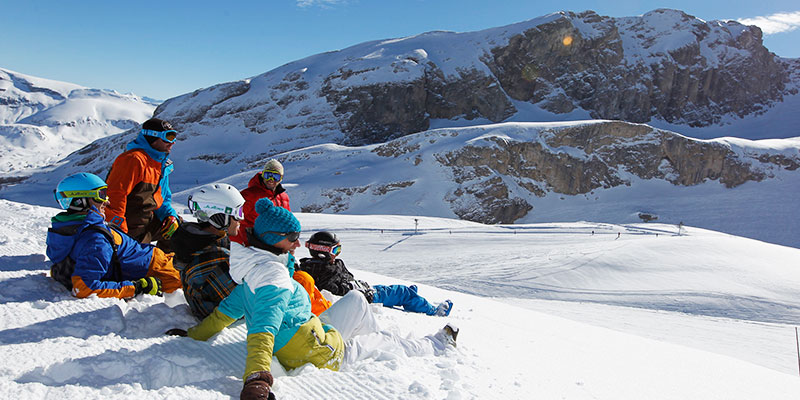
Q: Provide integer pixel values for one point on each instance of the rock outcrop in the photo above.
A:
(578, 160)
(560, 67)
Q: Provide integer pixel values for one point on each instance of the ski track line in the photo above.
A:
(329, 386)
(229, 349)
(48, 311)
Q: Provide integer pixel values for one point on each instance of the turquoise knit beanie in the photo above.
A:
(273, 219)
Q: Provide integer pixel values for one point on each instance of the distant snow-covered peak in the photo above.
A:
(42, 120)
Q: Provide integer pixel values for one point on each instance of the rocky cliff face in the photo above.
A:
(379, 112)
(663, 66)
(497, 177)
(604, 151)
(714, 69)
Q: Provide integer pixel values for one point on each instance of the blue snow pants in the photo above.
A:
(403, 296)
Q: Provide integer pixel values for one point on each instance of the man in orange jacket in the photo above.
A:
(138, 185)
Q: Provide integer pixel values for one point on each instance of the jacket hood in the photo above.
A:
(258, 267)
(141, 143)
(62, 235)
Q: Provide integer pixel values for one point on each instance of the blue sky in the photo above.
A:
(166, 48)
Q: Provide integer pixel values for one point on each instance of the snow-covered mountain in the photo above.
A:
(606, 171)
(552, 311)
(42, 121)
(352, 127)
(665, 68)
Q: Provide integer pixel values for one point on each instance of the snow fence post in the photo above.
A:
(797, 341)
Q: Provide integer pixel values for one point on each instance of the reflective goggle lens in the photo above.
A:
(293, 236)
(170, 136)
(336, 250)
(102, 194)
(271, 176)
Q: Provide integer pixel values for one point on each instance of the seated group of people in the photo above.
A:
(256, 278)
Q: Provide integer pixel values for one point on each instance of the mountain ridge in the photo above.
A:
(384, 93)
(43, 120)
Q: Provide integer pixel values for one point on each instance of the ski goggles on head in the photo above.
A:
(271, 175)
(335, 249)
(100, 194)
(291, 236)
(168, 136)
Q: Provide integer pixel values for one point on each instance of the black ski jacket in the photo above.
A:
(334, 277)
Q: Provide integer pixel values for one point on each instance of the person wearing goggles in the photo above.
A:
(168, 136)
(138, 186)
(91, 258)
(278, 315)
(264, 184)
(330, 273)
(202, 248)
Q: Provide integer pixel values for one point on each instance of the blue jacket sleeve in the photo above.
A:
(166, 194)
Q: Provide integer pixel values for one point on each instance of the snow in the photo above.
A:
(42, 121)
(320, 174)
(558, 310)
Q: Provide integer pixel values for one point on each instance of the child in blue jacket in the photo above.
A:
(80, 237)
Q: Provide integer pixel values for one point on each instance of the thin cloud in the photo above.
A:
(318, 3)
(775, 23)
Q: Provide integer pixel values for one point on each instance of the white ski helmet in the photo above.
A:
(216, 203)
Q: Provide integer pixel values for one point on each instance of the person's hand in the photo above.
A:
(176, 332)
(169, 226)
(358, 285)
(149, 285)
(364, 288)
(257, 386)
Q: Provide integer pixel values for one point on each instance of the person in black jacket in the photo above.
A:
(330, 273)
(202, 249)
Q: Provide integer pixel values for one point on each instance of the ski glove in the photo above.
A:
(169, 226)
(364, 288)
(149, 285)
(176, 332)
(257, 386)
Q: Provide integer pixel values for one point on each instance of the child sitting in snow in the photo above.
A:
(79, 243)
(278, 314)
(330, 273)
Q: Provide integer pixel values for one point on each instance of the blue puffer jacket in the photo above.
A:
(92, 254)
(166, 169)
(268, 296)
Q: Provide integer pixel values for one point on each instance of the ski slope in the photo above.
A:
(545, 311)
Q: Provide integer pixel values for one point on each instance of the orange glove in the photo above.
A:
(169, 226)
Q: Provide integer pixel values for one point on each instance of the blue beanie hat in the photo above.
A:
(273, 219)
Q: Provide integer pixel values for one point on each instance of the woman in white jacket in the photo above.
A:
(278, 315)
